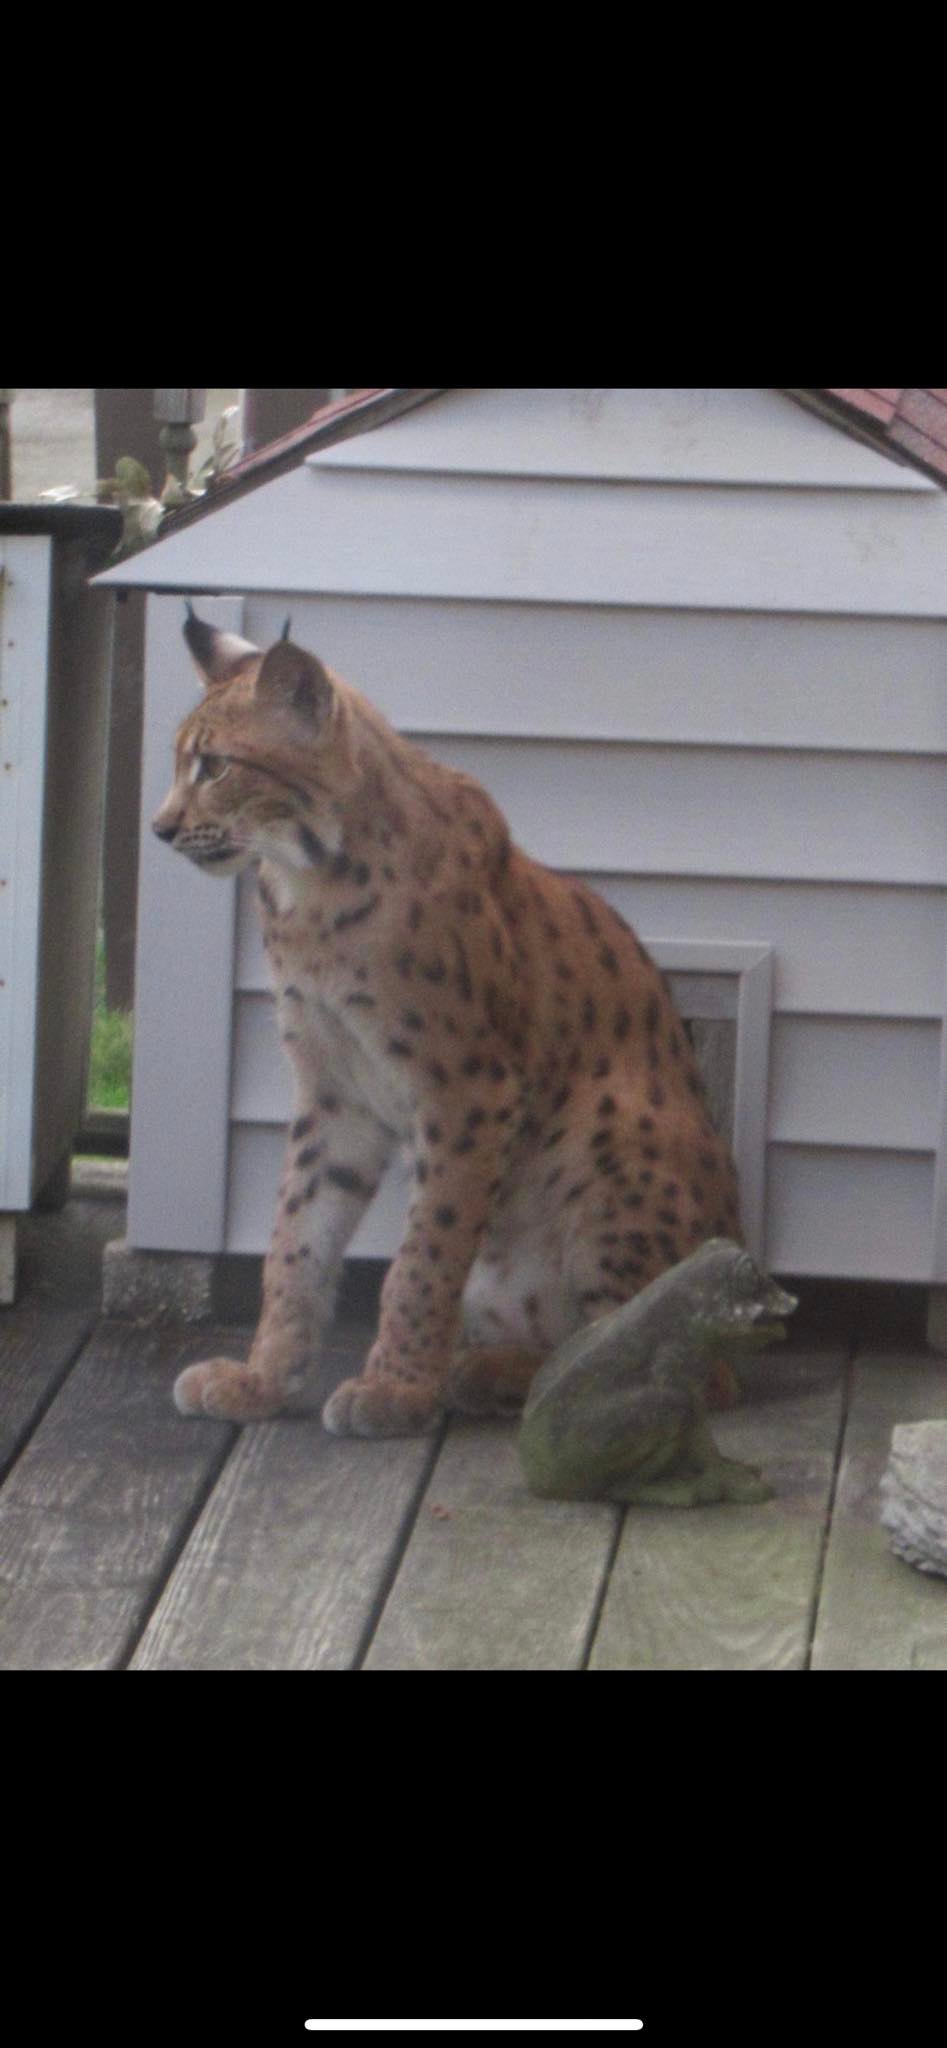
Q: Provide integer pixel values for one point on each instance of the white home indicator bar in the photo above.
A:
(475, 2026)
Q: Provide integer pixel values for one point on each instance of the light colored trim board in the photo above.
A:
(183, 983)
(25, 561)
(752, 970)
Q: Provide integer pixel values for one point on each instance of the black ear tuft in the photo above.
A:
(216, 654)
(199, 636)
(285, 632)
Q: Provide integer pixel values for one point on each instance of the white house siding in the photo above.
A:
(713, 683)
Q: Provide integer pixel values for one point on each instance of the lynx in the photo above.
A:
(442, 994)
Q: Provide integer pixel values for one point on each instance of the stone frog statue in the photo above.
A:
(618, 1412)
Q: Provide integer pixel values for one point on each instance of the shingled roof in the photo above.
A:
(909, 424)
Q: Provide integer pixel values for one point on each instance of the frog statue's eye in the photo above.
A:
(746, 1277)
(208, 768)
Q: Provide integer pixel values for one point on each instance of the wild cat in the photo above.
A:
(438, 992)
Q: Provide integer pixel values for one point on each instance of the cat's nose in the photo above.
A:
(164, 831)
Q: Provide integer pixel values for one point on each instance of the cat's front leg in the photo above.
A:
(334, 1161)
(460, 1156)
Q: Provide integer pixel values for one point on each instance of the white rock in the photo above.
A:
(914, 1495)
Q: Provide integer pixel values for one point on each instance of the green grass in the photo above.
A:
(110, 1066)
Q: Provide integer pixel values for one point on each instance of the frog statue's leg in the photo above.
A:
(698, 1474)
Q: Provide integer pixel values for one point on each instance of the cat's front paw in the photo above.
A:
(381, 1407)
(227, 1390)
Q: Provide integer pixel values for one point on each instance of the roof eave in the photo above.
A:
(337, 422)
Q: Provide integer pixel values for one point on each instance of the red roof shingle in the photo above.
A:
(912, 423)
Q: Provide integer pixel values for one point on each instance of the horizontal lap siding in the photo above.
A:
(256, 1157)
(848, 1214)
(729, 435)
(842, 1213)
(718, 811)
(822, 1075)
(844, 951)
(675, 546)
(592, 672)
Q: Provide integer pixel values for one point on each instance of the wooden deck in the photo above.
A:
(131, 1539)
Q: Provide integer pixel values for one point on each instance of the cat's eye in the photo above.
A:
(208, 768)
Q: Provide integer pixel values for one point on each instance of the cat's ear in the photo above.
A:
(293, 679)
(217, 656)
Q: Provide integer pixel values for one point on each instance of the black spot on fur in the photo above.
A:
(312, 846)
(585, 913)
(347, 1178)
(349, 917)
(302, 1127)
(445, 1217)
(464, 983)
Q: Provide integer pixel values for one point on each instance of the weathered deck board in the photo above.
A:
(877, 1613)
(294, 1550)
(733, 1588)
(56, 1307)
(95, 1508)
(37, 1347)
(501, 1581)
